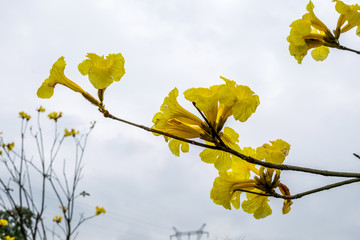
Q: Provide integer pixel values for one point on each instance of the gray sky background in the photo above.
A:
(144, 188)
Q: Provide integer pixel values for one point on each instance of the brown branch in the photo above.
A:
(248, 159)
(300, 195)
(347, 49)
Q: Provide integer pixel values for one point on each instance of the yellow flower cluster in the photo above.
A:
(9, 238)
(228, 187)
(73, 132)
(216, 104)
(24, 115)
(8, 146)
(99, 210)
(55, 116)
(57, 219)
(310, 32)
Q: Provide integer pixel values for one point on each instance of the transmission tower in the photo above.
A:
(178, 235)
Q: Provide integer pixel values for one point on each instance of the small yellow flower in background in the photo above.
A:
(55, 116)
(309, 32)
(73, 132)
(64, 209)
(40, 109)
(57, 219)
(3, 222)
(100, 210)
(9, 238)
(24, 115)
(9, 146)
(103, 71)
(57, 76)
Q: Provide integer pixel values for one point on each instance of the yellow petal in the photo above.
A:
(320, 53)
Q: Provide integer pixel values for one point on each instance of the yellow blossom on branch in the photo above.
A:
(262, 183)
(99, 210)
(217, 104)
(310, 33)
(9, 238)
(274, 153)
(349, 14)
(103, 71)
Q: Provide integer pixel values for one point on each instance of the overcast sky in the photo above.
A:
(144, 188)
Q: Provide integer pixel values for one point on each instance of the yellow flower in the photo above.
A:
(64, 209)
(100, 210)
(57, 219)
(222, 160)
(9, 238)
(221, 101)
(274, 153)
(3, 222)
(24, 115)
(73, 132)
(176, 120)
(103, 71)
(257, 205)
(175, 146)
(57, 76)
(55, 116)
(229, 185)
(309, 32)
(9, 146)
(216, 103)
(349, 13)
(40, 109)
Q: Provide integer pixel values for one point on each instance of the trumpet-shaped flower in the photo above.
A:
(221, 101)
(256, 205)
(176, 120)
(274, 153)
(309, 32)
(57, 76)
(349, 13)
(103, 71)
(222, 160)
(99, 210)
